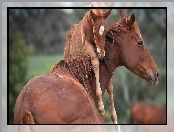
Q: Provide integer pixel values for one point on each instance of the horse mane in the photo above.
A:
(111, 39)
(81, 68)
(122, 25)
(60, 67)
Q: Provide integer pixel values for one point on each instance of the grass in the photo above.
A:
(39, 65)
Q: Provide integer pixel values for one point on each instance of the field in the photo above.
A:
(39, 65)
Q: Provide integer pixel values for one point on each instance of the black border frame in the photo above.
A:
(75, 8)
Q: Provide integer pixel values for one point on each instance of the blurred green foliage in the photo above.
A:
(46, 30)
(18, 62)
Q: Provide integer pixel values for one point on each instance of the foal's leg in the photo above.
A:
(111, 101)
(95, 64)
(112, 108)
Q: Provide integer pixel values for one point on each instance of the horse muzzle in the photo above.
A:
(100, 53)
(152, 79)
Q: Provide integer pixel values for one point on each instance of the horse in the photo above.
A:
(147, 113)
(60, 98)
(80, 39)
(158, 128)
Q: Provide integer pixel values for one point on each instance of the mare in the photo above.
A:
(60, 98)
(147, 113)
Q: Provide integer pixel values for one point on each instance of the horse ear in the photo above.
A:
(122, 15)
(107, 13)
(132, 20)
(93, 15)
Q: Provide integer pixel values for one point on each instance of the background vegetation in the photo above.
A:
(36, 43)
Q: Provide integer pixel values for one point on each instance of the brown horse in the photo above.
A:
(59, 97)
(146, 113)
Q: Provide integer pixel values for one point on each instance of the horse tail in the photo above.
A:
(27, 117)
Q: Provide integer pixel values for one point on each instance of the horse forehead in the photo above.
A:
(100, 19)
(98, 12)
(100, 29)
(98, 23)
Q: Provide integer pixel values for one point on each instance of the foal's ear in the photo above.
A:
(122, 15)
(93, 15)
(107, 13)
(132, 20)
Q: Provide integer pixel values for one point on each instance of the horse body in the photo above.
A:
(56, 98)
(63, 93)
(146, 113)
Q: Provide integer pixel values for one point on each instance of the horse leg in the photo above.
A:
(95, 64)
(112, 108)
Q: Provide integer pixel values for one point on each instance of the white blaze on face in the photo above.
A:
(101, 30)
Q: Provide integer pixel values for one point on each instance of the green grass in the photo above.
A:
(39, 65)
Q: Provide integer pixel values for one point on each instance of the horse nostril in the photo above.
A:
(157, 74)
(150, 78)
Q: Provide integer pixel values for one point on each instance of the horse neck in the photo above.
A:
(113, 57)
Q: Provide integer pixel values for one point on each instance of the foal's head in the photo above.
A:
(134, 53)
(99, 28)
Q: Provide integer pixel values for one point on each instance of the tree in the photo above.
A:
(18, 54)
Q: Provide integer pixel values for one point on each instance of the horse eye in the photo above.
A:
(140, 43)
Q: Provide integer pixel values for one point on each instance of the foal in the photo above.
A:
(81, 41)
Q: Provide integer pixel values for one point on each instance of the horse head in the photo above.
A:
(134, 53)
(99, 29)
